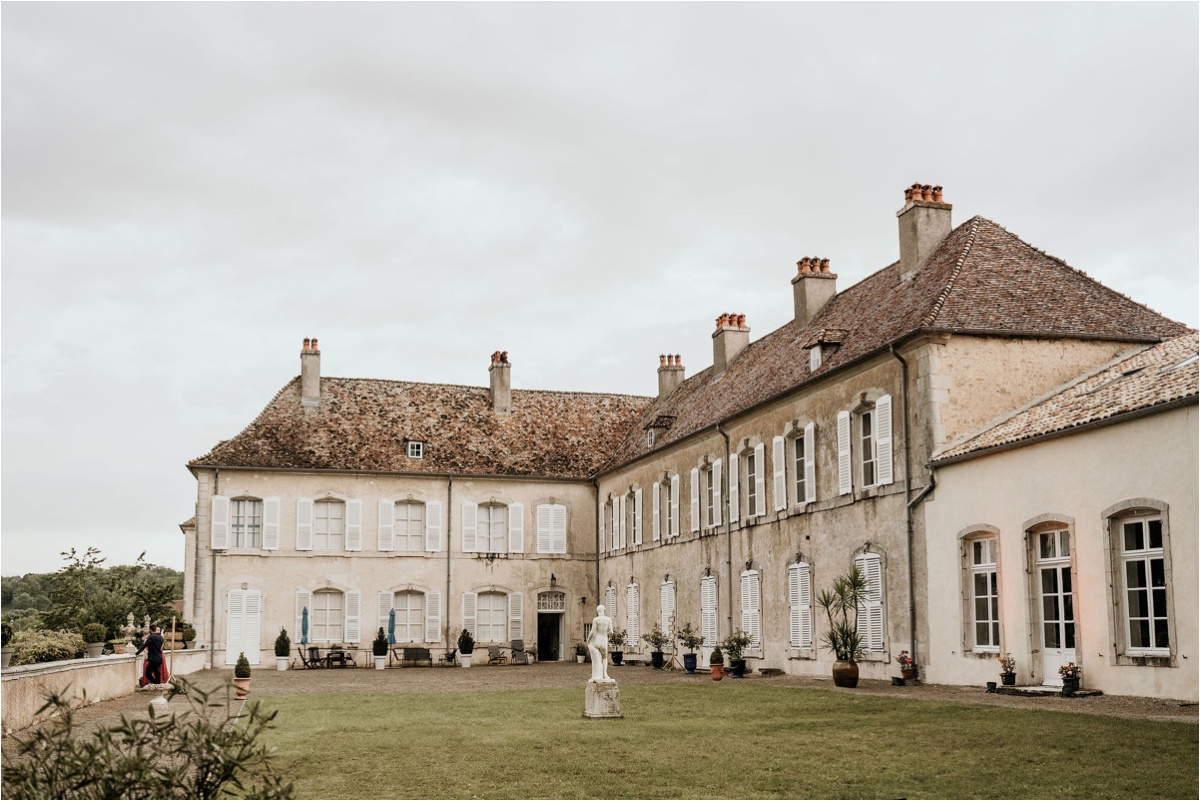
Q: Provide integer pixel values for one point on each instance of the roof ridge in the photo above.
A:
(253, 422)
(958, 265)
(474, 386)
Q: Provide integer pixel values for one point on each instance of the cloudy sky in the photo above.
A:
(190, 190)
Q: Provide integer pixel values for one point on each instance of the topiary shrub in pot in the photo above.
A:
(6, 634)
(241, 677)
(616, 641)
(94, 635)
(580, 652)
(466, 644)
(283, 649)
(716, 664)
(691, 640)
(657, 640)
(379, 649)
(735, 645)
(841, 605)
(189, 636)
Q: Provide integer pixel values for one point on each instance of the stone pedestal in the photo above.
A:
(603, 700)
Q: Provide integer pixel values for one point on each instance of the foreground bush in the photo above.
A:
(201, 752)
(42, 645)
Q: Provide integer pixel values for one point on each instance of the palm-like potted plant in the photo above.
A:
(241, 677)
(616, 641)
(841, 604)
(6, 633)
(1008, 670)
(716, 663)
(94, 634)
(379, 649)
(657, 639)
(283, 649)
(735, 645)
(691, 640)
(466, 644)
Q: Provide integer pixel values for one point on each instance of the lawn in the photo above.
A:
(745, 740)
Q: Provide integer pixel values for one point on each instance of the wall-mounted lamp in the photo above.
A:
(707, 571)
(553, 580)
(749, 564)
(583, 600)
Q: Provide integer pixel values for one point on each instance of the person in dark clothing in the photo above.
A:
(155, 671)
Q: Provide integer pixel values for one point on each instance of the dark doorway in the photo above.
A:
(548, 643)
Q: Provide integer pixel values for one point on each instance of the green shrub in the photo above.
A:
(6, 633)
(197, 753)
(242, 669)
(283, 643)
(656, 638)
(466, 643)
(94, 632)
(42, 645)
(617, 638)
(716, 657)
(737, 643)
(189, 632)
(379, 645)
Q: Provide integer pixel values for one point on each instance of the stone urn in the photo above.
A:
(717, 670)
(95, 650)
(845, 674)
(241, 688)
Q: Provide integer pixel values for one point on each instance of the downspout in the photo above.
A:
(909, 502)
(212, 587)
(449, 518)
(728, 537)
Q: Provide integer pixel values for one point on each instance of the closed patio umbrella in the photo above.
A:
(392, 627)
(304, 626)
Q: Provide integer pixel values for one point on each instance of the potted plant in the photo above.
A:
(532, 651)
(1008, 670)
(1070, 673)
(716, 664)
(906, 666)
(691, 640)
(241, 677)
(735, 645)
(656, 638)
(94, 634)
(283, 649)
(189, 636)
(466, 644)
(580, 652)
(616, 641)
(379, 649)
(6, 633)
(841, 606)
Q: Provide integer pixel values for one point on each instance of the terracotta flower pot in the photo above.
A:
(718, 671)
(241, 688)
(907, 673)
(845, 674)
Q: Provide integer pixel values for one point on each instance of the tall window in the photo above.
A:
(710, 499)
(493, 529)
(985, 596)
(800, 465)
(410, 616)
(867, 427)
(672, 507)
(410, 526)
(491, 622)
(752, 476)
(1145, 583)
(328, 616)
(246, 523)
(329, 525)
(870, 429)
(610, 602)
(666, 597)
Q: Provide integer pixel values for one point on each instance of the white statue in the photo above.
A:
(597, 644)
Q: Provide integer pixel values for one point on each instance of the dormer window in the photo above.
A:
(649, 437)
(814, 358)
(416, 450)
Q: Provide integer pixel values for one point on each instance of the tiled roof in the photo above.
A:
(980, 279)
(1154, 377)
(363, 424)
(189, 523)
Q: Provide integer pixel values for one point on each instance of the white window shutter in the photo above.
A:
(655, 510)
(469, 601)
(695, 505)
(220, 522)
(516, 614)
(252, 627)
(745, 593)
(883, 439)
(674, 506)
(845, 484)
(354, 525)
(708, 611)
(777, 459)
(235, 623)
(666, 604)
(810, 464)
(558, 528)
(270, 524)
(755, 612)
(621, 519)
(387, 526)
(870, 615)
(616, 524)
(543, 528)
(353, 628)
(433, 616)
(718, 504)
(433, 526)
(760, 478)
(600, 521)
(733, 488)
(303, 601)
(794, 606)
(304, 524)
(631, 617)
(470, 526)
(610, 602)
(386, 599)
(637, 516)
(516, 528)
(806, 623)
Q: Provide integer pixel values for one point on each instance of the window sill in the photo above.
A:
(801, 653)
(1147, 660)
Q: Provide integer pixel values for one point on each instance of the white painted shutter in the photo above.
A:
(733, 488)
(470, 526)
(631, 616)
(637, 516)
(666, 598)
(303, 601)
(220, 523)
(433, 526)
(778, 459)
(516, 614)
(674, 532)
(870, 614)
(622, 518)
(235, 623)
(655, 511)
(270, 524)
(750, 607)
(806, 623)
(468, 611)
(433, 617)
(354, 525)
(616, 524)
(760, 478)
(385, 606)
(543, 528)
(845, 484)
(353, 616)
(718, 504)
(610, 602)
(558, 528)
(600, 522)
(516, 528)
(810, 464)
(794, 606)
(708, 611)
(695, 506)
(304, 524)
(387, 526)
(883, 439)
(800, 603)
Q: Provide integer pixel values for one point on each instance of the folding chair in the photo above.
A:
(519, 654)
(304, 660)
(314, 657)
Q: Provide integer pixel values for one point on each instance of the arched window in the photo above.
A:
(1140, 540)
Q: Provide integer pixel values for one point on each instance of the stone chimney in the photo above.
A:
(670, 374)
(501, 383)
(731, 338)
(310, 373)
(924, 223)
(813, 287)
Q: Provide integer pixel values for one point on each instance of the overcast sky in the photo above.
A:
(190, 190)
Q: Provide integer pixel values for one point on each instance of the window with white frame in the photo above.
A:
(870, 612)
(551, 528)
(800, 606)
(804, 468)
(1144, 581)
(985, 594)
(633, 515)
(865, 438)
(753, 475)
(866, 423)
(672, 506)
(493, 528)
(712, 494)
(752, 608)
(491, 617)
(328, 616)
(632, 607)
(416, 450)
(410, 616)
(329, 525)
(245, 522)
(410, 526)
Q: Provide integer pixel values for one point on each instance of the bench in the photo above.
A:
(413, 655)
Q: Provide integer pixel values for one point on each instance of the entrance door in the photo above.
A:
(1058, 608)
(549, 636)
(242, 626)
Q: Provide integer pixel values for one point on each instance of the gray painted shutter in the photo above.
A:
(469, 601)
(387, 526)
(220, 522)
(675, 506)
(516, 614)
(883, 439)
(433, 526)
(270, 524)
(470, 525)
(516, 528)
(778, 459)
(433, 616)
(603, 543)
(304, 524)
(810, 464)
(637, 516)
(235, 618)
(354, 525)
(760, 479)
(806, 623)
(695, 506)
(845, 484)
(718, 503)
(655, 504)
(252, 634)
(543, 528)
(733, 488)
(353, 628)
